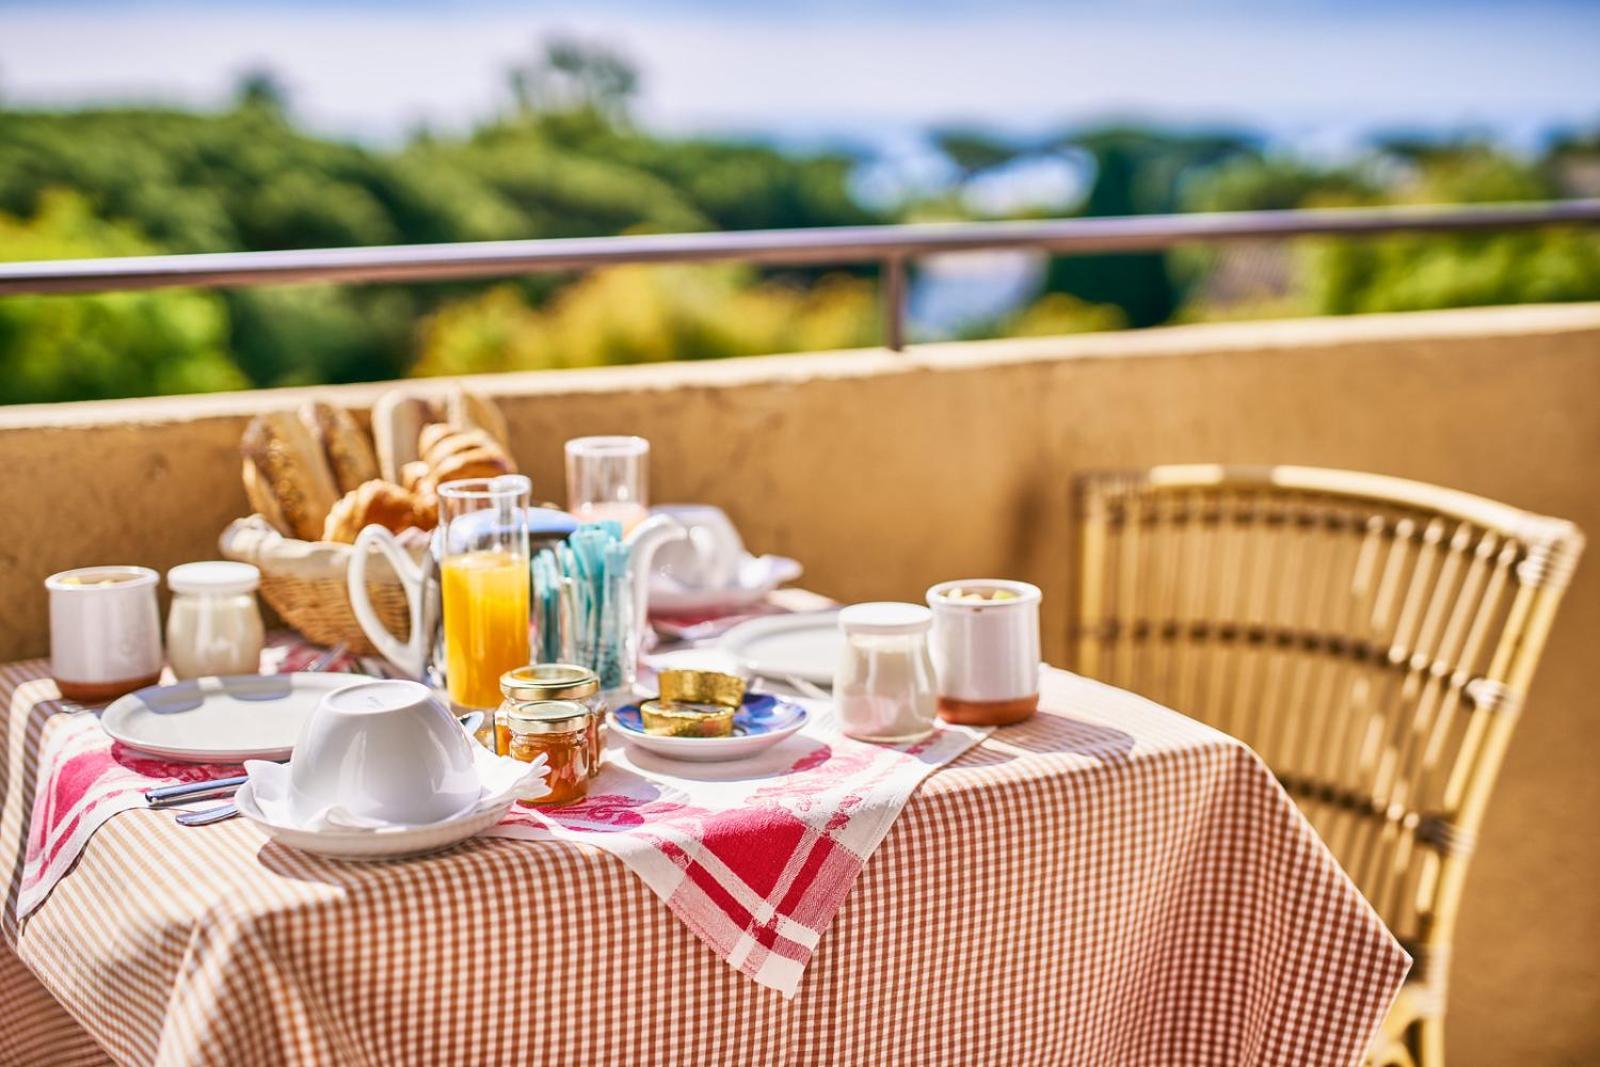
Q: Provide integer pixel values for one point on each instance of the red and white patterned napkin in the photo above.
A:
(754, 856)
(86, 778)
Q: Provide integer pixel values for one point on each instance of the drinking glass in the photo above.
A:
(608, 478)
(483, 584)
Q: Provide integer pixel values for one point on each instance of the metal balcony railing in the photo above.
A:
(890, 246)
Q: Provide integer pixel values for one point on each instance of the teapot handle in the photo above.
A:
(410, 657)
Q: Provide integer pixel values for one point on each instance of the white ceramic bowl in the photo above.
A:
(382, 750)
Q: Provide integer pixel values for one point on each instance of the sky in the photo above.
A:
(1317, 73)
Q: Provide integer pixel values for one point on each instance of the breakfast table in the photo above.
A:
(1108, 882)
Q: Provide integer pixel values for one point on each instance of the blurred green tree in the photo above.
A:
(117, 344)
(1137, 172)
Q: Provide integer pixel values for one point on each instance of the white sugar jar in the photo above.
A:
(884, 688)
(214, 625)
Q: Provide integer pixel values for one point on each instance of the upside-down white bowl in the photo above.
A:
(386, 751)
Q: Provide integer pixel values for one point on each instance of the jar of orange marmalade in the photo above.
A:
(558, 730)
(555, 681)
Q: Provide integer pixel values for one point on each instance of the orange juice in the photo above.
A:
(485, 597)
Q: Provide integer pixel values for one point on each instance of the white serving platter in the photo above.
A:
(221, 720)
(805, 646)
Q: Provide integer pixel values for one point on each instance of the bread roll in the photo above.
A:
(439, 442)
(412, 473)
(466, 410)
(289, 481)
(349, 453)
(376, 501)
(451, 455)
(473, 463)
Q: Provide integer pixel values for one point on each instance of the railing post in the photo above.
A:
(893, 282)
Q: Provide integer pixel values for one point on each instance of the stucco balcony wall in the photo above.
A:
(885, 472)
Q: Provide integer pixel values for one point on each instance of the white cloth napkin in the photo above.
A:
(500, 779)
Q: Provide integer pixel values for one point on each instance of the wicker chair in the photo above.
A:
(1371, 638)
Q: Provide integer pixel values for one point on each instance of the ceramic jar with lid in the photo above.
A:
(986, 650)
(214, 625)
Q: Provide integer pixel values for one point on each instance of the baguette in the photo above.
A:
(349, 453)
(397, 419)
(289, 471)
(263, 502)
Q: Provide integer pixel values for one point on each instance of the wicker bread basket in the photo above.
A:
(304, 582)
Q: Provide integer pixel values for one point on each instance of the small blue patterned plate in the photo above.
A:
(762, 722)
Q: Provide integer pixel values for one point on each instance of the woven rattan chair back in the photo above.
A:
(1371, 638)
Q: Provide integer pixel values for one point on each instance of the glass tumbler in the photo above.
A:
(483, 578)
(609, 478)
(884, 688)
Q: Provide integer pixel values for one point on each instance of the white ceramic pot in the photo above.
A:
(986, 652)
(105, 631)
(381, 751)
(709, 557)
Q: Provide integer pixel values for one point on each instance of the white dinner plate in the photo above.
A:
(221, 720)
(805, 646)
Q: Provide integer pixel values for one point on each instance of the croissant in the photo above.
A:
(384, 503)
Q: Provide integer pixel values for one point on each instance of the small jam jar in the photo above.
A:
(558, 730)
(555, 681)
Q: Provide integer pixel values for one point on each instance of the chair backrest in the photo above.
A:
(1371, 638)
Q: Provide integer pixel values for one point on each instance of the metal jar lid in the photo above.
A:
(549, 681)
(547, 717)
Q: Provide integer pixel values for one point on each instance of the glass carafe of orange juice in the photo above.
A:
(483, 577)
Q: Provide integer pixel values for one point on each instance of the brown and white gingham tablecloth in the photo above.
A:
(1110, 883)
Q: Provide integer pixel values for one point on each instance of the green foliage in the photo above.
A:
(575, 77)
(567, 160)
(117, 344)
(973, 150)
(1273, 183)
(1410, 273)
(565, 163)
(1137, 172)
(648, 314)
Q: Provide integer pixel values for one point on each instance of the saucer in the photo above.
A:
(760, 723)
(758, 576)
(264, 801)
(390, 843)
